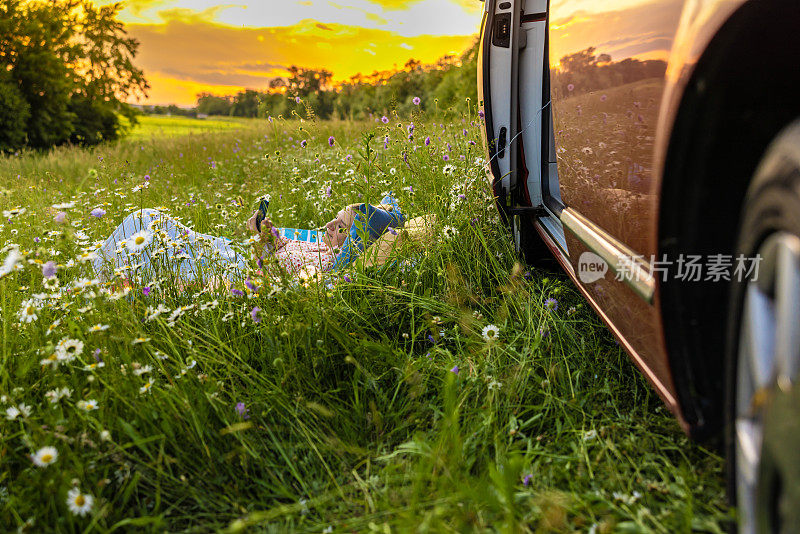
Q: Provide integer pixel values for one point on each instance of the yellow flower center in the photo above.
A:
(80, 500)
(139, 240)
(30, 310)
(47, 458)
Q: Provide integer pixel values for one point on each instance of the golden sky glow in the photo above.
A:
(192, 46)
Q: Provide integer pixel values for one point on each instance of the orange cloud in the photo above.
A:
(187, 54)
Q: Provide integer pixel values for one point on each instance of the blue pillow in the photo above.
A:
(368, 225)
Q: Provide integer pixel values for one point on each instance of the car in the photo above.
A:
(652, 148)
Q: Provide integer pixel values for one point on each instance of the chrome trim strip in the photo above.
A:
(614, 253)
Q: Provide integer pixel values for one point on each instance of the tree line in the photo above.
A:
(307, 92)
(66, 69)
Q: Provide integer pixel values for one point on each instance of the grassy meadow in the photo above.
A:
(377, 401)
(150, 126)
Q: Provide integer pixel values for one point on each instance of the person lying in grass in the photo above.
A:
(147, 239)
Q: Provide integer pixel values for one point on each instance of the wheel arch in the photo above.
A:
(742, 92)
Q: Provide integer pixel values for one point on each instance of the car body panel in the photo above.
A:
(613, 108)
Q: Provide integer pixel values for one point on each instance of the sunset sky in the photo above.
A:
(193, 46)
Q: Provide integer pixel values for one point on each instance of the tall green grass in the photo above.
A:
(371, 404)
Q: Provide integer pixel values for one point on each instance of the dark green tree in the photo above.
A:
(72, 63)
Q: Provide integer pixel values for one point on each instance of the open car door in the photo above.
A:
(514, 95)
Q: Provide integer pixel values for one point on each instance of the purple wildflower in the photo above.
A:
(96, 355)
(551, 304)
(61, 217)
(303, 143)
(249, 285)
(462, 196)
(446, 157)
(146, 177)
(35, 239)
(254, 314)
(416, 101)
(297, 99)
(347, 278)
(328, 191)
(481, 114)
(237, 292)
(98, 212)
(242, 410)
(146, 291)
(331, 141)
(410, 128)
(527, 480)
(454, 370)
(570, 87)
(385, 119)
(428, 140)
(49, 269)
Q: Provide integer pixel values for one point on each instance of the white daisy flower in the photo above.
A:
(86, 257)
(45, 456)
(139, 241)
(12, 412)
(64, 205)
(98, 328)
(88, 405)
(146, 388)
(50, 360)
(139, 370)
(28, 311)
(67, 349)
(13, 212)
(55, 395)
(13, 262)
(449, 232)
(490, 332)
(448, 169)
(79, 503)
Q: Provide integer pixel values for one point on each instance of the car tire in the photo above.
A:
(762, 434)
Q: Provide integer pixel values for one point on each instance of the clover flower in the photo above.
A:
(242, 410)
(49, 269)
(416, 101)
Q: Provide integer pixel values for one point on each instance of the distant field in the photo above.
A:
(174, 126)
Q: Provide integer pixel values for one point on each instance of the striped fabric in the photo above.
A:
(300, 234)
